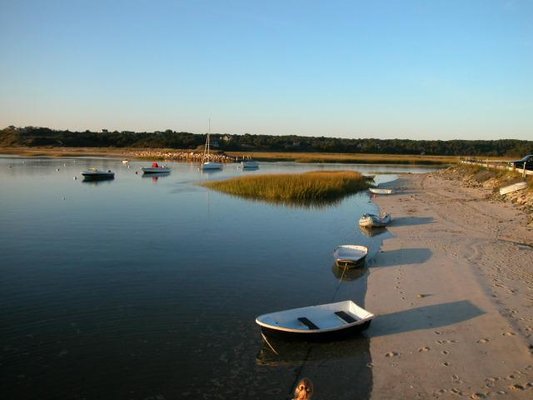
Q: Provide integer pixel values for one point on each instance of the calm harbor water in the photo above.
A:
(148, 288)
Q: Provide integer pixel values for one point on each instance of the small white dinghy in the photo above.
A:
(380, 191)
(350, 255)
(374, 221)
(321, 322)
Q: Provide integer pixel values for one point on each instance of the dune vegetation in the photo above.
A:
(309, 188)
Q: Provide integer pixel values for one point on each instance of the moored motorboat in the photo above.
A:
(96, 174)
(156, 169)
(320, 322)
(211, 165)
(350, 255)
(249, 164)
(374, 221)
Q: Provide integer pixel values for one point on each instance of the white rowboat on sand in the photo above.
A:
(374, 221)
(513, 188)
(380, 191)
(350, 255)
(320, 322)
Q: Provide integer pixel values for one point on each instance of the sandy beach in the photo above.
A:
(452, 288)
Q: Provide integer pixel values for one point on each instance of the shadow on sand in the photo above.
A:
(426, 317)
(407, 221)
(400, 257)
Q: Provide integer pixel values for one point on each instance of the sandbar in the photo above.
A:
(452, 288)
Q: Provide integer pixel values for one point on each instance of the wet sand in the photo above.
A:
(452, 288)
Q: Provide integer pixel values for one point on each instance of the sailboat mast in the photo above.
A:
(208, 140)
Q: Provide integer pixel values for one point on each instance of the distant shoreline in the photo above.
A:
(193, 156)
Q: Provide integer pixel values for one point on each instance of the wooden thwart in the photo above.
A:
(345, 316)
(308, 323)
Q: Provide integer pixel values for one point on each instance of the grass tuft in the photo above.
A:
(309, 188)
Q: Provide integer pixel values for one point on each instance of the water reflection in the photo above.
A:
(154, 177)
(138, 301)
(371, 232)
(93, 181)
(275, 352)
(348, 274)
(331, 366)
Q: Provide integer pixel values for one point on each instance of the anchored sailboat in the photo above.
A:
(206, 163)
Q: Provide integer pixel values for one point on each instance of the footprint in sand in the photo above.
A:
(508, 334)
(446, 341)
(517, 386)
(423, 349)
(445, 352)
(478, 395)
(391, 354)
(485, 340)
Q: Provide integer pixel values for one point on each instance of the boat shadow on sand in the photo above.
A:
(425, 317)
(407, 221)
(391, 258)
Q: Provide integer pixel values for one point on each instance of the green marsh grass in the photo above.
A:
(309, 188)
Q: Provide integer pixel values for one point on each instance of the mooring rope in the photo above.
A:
(339, 284)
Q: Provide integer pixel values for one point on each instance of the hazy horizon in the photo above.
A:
(439, 70)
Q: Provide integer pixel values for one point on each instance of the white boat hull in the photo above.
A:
(320, 322)
(250, 164)
(350, 255)
(380, 191)
(513, 188)
(209, 165)
(374, 221)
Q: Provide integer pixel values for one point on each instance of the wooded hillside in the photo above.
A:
(37, 136)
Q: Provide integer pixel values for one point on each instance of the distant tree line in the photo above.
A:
(38, 136)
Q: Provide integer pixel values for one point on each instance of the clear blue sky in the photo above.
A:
(416, 69)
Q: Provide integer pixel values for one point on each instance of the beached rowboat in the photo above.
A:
(374, 221)
(380, 191)
(321, 322)
(513, 188)
(350, 255)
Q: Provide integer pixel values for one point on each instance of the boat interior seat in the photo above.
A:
(308, 323)
(345, 316)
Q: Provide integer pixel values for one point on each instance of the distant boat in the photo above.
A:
(350, 255)
(374, 221)
(249, 164)
(321, 322)
(96, 174)
(380, 191)
(513, 188)
(156, 169)
(206, 164)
